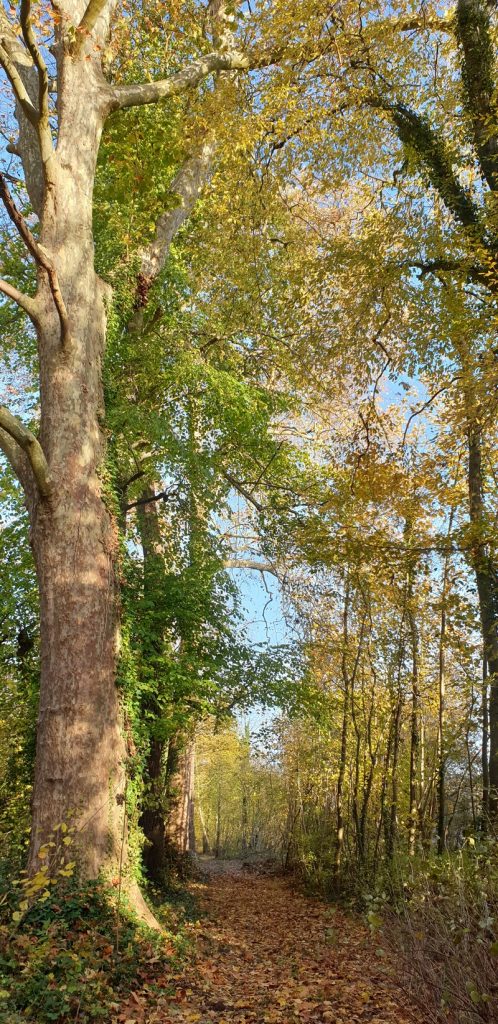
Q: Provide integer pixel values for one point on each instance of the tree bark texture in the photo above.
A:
(80, 762)
(180, 831)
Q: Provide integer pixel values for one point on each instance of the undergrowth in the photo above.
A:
(438, 915)
(73, 957)
(443, 923)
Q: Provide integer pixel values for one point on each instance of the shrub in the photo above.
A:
(72, 957)
(446, 931)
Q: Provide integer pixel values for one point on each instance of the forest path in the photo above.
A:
(265, 954)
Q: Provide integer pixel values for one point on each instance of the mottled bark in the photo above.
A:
(79, 777)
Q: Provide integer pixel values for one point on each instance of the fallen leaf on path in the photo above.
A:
(267, 954)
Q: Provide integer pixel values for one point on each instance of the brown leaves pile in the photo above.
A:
(267, 955)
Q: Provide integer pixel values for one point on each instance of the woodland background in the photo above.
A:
(294, 224)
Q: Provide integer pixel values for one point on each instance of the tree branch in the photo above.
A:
(18, 86)
(29, 444)
(415, 132)
(478, 61)
(16, 457)
(43, 123)
(185, 187)
(250, 563)
(427, 22)
(24, 301)
(471, 271)
(119, 96)
(11, 43)
(149, 499)
(426, 405)
(21, 64)
(242, 489)
(88, 22)
(40, 254)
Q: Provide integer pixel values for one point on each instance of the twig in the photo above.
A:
(426, 405)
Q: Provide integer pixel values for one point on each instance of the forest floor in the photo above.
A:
(263, 953)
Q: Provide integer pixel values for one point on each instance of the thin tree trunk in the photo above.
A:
(206, 846)
(152, 820)
(217, 845)
(179, 825)
(441, 787)
(153, 817)
(414, 738)
(487, 588)
(485, 747)
(415, 747)
(391, 839)
(441, 820)
(344, 741)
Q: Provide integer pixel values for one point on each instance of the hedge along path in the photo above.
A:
(264, 954)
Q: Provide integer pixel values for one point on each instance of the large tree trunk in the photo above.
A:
(79, 777)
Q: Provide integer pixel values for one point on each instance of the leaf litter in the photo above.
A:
(263, 953)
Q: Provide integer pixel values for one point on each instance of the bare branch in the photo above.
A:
(18, 64)
(250, 563)
(150, 499)
(29, 444)
(243, 490)
(58, 301)
(40, 254)
(426, 405)
(11, 43)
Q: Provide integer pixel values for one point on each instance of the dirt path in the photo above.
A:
(267, 955)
